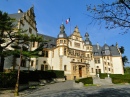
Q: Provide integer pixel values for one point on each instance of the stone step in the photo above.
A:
(106, 81)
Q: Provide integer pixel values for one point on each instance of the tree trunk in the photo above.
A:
(2, 63)
(14, 62)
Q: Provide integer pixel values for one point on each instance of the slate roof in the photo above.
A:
(52, 40)
(99, 52)
(114, 51)
(16, 16)
(96, 51)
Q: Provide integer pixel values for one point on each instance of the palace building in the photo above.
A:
(78, 58)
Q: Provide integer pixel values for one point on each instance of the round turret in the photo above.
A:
(62, 33)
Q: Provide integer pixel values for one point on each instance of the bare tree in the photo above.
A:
(115, 14)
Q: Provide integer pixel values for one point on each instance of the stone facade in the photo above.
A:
(79, 58)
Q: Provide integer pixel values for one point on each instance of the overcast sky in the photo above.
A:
(51, 13)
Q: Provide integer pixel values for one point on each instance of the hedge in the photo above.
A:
(7, 80)
(117, 78)
(87, 80)
(48, 75)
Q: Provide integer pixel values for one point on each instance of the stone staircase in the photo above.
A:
(98, 81)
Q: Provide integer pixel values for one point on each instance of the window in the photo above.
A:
(61, 41)
(107, 58)
(88, 55)
(36, 62)
(30, 30)
(87, 48)
(44, 62)
(95, 53)
(33, 44)
(105, 68)
(77, 38)
(105, 63)
(95, 61)
(98, 60)
(45, 53)
(46, 67)
(70, 43)
(64, 41)
(92, 70)
(32, 62)
(23, 63)
(64, 51)
(109, 69)
(65, 68)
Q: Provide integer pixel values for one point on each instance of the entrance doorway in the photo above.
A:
(98, 71)
(80, 71)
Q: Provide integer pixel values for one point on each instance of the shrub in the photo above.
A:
(103, 75)
(87, 80)
(7, 79)
(48, 75)
(120, 80)
(57, 73)
(117, 78)
(23, 78)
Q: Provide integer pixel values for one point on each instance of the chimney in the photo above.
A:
(97, 46)
(20, 11)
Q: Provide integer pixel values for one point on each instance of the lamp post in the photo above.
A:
(16, 92)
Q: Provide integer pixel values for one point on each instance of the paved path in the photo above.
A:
(65, 89)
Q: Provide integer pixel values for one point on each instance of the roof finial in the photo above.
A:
(105, 40)
(116, 44)
(62, 20)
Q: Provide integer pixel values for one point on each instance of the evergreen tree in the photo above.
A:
(124, 58)
(10, 36)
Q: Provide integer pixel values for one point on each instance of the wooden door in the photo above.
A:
(80, 72)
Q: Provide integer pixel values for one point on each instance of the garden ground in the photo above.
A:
(66, 89)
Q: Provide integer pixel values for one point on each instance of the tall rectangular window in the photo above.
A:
(92, 70)
(64, 51)
(65, 68)
(30, 30)
(98, 60)
(33, 44)
(32, 62)
(23, 63)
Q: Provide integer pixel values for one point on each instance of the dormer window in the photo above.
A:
(61, 41)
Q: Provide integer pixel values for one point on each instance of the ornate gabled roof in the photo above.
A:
(62, 33)
(76, 32)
